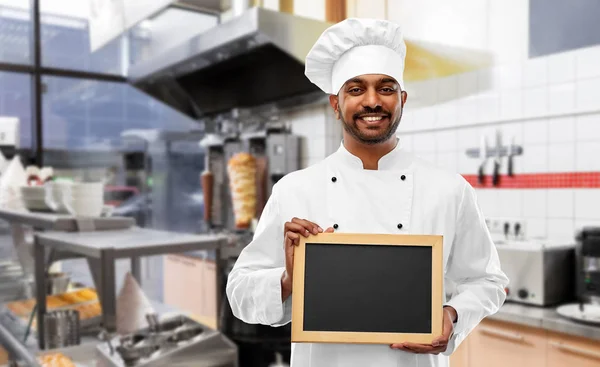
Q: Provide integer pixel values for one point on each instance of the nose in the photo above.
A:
(371, 99)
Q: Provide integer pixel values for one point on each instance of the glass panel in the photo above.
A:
(83, 125)
(66, 39)
(15, 101)
(16, 31)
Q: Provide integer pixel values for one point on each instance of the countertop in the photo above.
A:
(544, 318)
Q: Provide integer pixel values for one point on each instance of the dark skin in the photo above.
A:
(370, 109)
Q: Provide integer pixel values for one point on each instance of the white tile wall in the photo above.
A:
(535, 73)
(586, 207)
(586, 63)
(561, 68)
(587, 94)
(535, 102)
(587, 156)
(587, 127)
(535, 203)
(551, 106)
(560, 203)
(561, 157)
(561, 98)
(561, 129)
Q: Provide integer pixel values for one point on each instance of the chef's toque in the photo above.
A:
(356, 47)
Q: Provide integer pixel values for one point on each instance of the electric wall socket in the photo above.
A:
(507, 228)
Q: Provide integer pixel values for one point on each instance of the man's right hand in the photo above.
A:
(292, 232)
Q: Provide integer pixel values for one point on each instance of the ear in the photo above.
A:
(334, 102)
(403, 96)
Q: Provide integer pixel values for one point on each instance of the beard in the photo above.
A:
(384, 135)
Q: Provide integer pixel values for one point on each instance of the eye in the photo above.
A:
(387, 90)
(354, 90)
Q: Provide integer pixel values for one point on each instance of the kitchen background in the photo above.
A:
(544, 99)
(522, 75)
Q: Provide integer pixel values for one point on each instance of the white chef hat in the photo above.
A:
(356, 47)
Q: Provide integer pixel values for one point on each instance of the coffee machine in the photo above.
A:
(587, 256)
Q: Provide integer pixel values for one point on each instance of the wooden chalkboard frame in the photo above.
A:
(299, 335)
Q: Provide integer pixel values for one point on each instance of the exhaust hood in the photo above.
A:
(253, 60)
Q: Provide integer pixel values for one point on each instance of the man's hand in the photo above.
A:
(292, 232)
(440, 344)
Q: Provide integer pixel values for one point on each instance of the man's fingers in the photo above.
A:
(310, 226)
(440, 341)
(400, 347)
(292, 239)
(297, 228)
(330, 230)
(419, 348)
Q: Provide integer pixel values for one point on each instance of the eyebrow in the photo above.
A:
(382, 80)
(387, 80)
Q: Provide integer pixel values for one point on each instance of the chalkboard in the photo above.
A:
(358, 288)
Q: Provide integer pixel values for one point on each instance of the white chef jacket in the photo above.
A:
(404, 190)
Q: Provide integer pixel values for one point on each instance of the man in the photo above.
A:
(370, 185)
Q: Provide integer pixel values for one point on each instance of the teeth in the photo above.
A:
(372, 118)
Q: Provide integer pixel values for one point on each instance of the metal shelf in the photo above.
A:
(62, 222)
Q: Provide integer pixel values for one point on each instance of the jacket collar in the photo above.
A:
(397, 159)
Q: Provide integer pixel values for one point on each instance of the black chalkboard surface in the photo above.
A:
(357, 288)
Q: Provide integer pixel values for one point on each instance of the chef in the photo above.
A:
(371, 184)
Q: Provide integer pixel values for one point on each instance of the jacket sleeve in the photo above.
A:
(254, 284)
(475, 268)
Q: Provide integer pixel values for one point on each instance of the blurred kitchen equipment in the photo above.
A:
(511, 154)
(56, 283)
(279, 361)
(540, 272)
(276, 152)
(61, 328)
(497, 159)
(587, 258)
(483, 152)
(177, 340)
(584, 313)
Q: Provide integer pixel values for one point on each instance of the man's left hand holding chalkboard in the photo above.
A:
(440, 344)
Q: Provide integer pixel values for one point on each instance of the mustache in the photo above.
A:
(369, 110)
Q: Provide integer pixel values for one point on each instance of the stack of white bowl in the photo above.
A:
(34, 198)
(84, 199)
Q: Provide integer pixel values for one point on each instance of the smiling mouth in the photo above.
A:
(373, 120)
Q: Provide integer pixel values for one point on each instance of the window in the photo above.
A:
(15, 101)
(16, 31)
(84, 114)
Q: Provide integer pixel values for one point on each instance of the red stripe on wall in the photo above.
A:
(567, 180)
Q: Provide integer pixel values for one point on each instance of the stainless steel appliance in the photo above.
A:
(277, 153)
(540, 272)
(254, 59)
(176, 342)
(588, 265)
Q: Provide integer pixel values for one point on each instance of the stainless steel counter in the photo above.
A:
(102, 249)
(544, 318)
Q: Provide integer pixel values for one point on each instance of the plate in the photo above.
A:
(589, 315)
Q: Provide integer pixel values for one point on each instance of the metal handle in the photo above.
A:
(502, 334)
(106, 337)
(575, 350)
(16, 350)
